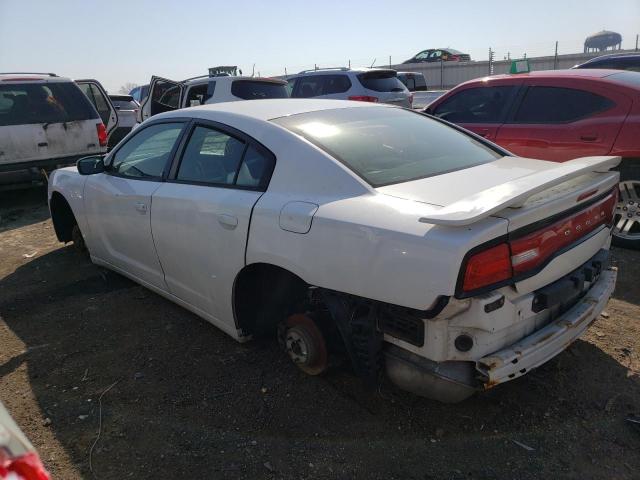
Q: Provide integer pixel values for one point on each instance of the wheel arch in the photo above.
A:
(62, 216)
(263, 295)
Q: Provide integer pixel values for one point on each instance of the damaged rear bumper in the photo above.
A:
(453, 381)
(540, 347)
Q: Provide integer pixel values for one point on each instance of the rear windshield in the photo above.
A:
(381, 81)
(389, 145)
(256, 90)
(124, 105)
(29, 103)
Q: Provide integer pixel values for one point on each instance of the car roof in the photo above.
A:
(597, 73)
(614, 55)
(229, 78)
(32, 77)
(267, 109)
(340, 70)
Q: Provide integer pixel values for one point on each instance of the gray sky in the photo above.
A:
(128, 41)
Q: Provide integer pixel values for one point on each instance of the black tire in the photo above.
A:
(78, 240)
(627, 215)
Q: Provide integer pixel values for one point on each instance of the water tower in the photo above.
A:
(601, 41)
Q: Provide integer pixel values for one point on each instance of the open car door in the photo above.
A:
(164, 95)
(100, 99)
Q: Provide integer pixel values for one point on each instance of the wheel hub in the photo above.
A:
(627, 215)
(305, 344)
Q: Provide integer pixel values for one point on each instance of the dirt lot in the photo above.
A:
(182, 400)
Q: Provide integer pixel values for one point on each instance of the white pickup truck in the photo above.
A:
(373, 232)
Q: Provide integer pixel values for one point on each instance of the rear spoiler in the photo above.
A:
(516, 192)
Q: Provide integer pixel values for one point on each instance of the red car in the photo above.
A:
(559, 115)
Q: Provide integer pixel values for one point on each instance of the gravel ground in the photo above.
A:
(179, 399)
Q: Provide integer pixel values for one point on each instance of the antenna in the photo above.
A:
(373, 63)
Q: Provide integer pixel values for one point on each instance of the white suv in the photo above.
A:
(46, 122)
(365, 84)
(165, 95)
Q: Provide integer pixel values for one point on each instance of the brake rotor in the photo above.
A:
(305, 344)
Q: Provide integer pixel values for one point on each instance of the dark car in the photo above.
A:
(559, 115)
(439, 54)
(616, 61)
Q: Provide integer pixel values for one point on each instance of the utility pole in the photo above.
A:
(389, 61)
(349, 64)
(285, 72)
(637, 42)
(555, 58)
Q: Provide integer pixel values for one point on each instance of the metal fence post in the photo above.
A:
(555, 58)
(441, 74)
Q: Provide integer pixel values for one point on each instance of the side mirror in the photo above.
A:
(428, 111)
(90, 165)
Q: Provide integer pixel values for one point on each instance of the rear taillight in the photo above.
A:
(363, 98)
(454, 58)
(102, 134)
(516, 258)
(26, 467)
(487, 267)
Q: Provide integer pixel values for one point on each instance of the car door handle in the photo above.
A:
(227, 221)
(589, 138)
(141, 207)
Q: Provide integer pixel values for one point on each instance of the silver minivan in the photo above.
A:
(365, 85)
(46, 122)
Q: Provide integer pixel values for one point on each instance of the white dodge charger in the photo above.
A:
(379, 234)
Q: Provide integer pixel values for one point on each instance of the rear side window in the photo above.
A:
(381, 81)
(199, 94)
(389, 145)
(559, 105)
(476, 105)
(316, 85)
(256, 169)
(32, 103)
(213, 157)
(257, 90)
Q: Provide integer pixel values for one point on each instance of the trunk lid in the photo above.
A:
(520, 190)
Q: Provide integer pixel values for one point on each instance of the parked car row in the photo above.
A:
(558, 116)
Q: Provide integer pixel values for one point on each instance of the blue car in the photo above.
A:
(616, 61)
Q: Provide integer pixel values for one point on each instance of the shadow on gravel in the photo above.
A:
(628, 263)
(19, 208)
(189, 402)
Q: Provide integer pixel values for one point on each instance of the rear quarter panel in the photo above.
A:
(371, 246)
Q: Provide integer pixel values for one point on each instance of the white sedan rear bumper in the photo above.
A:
(538, 348)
